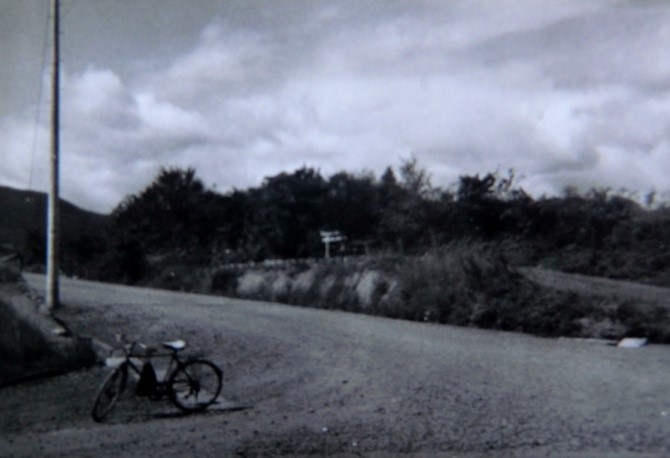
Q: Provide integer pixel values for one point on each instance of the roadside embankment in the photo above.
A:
(360, 287)
(33, 344)
(465, 285)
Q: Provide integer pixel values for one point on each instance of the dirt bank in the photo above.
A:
(33, 344)
(474, 288)
(323, 285)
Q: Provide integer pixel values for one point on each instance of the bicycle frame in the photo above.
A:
(148, 355)
(136, 361)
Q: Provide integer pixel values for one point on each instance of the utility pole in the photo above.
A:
(53, 219)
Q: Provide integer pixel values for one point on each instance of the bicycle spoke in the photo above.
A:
(195, 386)
(109, 393)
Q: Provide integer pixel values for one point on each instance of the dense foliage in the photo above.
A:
(177, 220)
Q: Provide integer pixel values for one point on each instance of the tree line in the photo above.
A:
(178, 217)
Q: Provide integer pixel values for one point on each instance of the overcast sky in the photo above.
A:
(566, 92)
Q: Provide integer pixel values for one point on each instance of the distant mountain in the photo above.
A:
(23, 217)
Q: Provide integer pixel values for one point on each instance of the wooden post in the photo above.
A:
(53, 220)
(327, 237)
(327, 254)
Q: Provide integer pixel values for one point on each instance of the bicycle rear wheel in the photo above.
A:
(109, 392)
(195, 385)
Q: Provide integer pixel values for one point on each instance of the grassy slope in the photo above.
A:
(466, 285)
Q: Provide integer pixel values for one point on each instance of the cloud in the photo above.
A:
(565, 92)
(18, 164)
(97, 97)
(113, 139)
(225, 62)
(467, 89)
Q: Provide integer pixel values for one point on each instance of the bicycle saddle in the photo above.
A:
(175, 345)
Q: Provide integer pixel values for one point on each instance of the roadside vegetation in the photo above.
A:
(176, 219)
(464, 284)
(416, 251)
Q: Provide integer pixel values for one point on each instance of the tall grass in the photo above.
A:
(474, 285)
(465, 283)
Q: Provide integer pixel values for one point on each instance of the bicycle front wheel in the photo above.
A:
(195, 385)
(110, 392)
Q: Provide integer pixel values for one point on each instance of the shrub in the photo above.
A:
(651, 321)
(224, 281)
(464, 284)
(473, 285)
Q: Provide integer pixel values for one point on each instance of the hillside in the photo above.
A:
(23, 223)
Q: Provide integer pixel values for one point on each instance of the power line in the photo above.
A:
(39, 100)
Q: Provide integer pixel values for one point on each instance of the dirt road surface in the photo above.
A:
(301, 381)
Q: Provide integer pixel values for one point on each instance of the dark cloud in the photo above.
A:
(624, 45)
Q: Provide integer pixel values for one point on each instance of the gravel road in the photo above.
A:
(304, 381)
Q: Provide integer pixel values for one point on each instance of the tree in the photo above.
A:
(350, 205)
(406, 206)
(415, 179)
(492, 206)
(473, 189)
(289, 213)
(174, 212)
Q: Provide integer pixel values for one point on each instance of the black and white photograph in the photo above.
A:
(335, 228)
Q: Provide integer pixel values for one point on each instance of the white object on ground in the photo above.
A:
(116, 361)
(632, 342)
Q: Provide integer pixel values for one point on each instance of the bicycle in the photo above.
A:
(192, 384)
